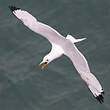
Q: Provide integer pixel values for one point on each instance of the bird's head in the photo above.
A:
(46, 60)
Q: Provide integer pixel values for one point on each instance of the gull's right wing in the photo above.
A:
(31, 22)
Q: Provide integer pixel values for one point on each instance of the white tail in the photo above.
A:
(73, 40)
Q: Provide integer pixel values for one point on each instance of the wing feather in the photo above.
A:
(81, 65)
(31, 22)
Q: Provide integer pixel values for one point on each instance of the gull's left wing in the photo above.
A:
(31, 22)
(82, 67)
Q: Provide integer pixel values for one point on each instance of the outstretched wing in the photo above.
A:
(30, 21)
(82, 67)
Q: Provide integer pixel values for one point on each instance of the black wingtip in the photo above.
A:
(100, 98)
(102, 92)
(13, 8)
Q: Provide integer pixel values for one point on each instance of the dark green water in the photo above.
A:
(23, 86)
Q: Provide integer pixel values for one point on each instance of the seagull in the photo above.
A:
(61, 46)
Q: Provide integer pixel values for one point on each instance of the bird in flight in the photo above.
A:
(61, 46)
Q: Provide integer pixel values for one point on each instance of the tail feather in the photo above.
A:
(73, 40)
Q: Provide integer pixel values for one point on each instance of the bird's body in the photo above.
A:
(62, 46)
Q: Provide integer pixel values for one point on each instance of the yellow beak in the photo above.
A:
(44, 64)
(41, 63)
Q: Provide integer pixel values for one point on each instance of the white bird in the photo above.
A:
(61, 46)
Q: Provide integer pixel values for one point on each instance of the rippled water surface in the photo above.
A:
(23, 86)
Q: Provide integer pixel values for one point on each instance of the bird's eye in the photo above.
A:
(47, 60)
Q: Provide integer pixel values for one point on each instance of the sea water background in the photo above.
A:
(23, 86)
